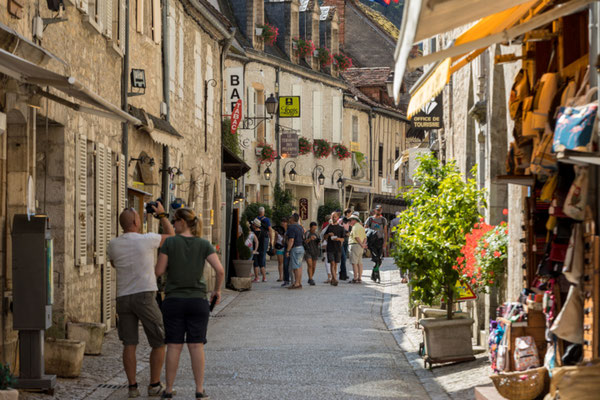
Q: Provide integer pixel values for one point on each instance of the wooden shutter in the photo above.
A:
(337, 119)
(180, 59)
(101, 14)
(82, 5)
(122, 30)
(108, 18)
(210, 99)
(139, 16)
(317, 115)
(107, 276)
(100, 204)
(297, 122)
(156, 21)
(122, 187)
(108, 217)
(81, 201)
(198, 92)
(172, 50)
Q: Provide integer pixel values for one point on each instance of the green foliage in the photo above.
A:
(230, 140)
(7, 380)
(326, 209)
(432, 231)
(283, 206)
(243, 251)
(251, 212)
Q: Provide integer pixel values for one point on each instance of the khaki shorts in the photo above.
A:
(140, 307)
(356, 253)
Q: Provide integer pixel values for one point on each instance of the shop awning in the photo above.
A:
(28, 72)
(161, 131)
(20, 46)
(494, 28)
(233, 166)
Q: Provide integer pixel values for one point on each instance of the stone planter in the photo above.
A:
(241, 284)
(243, 268)
(9, 394)
(447, 340)
(63, 357)
(92, 334)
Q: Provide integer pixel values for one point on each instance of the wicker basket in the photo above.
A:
(521, 385)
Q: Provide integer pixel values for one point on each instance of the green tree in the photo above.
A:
(230, 140)
(283, 205)
(443, 209)
(326, 209)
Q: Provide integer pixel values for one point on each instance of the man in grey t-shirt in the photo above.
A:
(379, 224)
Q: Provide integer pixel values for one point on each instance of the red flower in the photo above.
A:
(485, 244)
(497, 254)
(482, 253)
(473, 281)
(481, 219)
(506, 232)
(505, 211)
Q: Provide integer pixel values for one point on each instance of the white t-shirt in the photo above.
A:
(133, 256)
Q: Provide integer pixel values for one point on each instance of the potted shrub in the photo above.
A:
(304, 146)
(7, 381)
(341, 62)
(341, 151)
(321, 148)
(243, 262)
(269, 34)
(443, 209)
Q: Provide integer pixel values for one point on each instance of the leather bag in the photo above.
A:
(549, 83)
(576, 200)
(568, 324)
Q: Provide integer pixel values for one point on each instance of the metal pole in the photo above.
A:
(277, 126)
(166, 97)
(124, 100)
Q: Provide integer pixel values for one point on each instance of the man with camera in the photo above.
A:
(133, 256)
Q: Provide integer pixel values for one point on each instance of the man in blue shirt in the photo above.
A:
(295, 249)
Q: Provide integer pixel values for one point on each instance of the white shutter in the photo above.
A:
(122, 30)
(210, 99)
(122, 187)
(101, 14)
(172, 51)
(317, 134)
(180, 59)
(108, 18)
(198, 93)
(107, 278)
(139, 16)
(82, 5)
(81, 201)
(337, 119)
(100, 204)
(156, 21)
(297, 122)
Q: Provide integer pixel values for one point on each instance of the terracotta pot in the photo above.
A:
(243, 268)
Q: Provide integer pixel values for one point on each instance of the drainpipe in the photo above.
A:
(124, 100)
(166, 97)
(277, 126)
(371, 151)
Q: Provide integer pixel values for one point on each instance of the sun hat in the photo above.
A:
(256, 222)
(356, 217)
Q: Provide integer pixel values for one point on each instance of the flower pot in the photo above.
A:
(92, 334)
(243, 268)
(258, 151)
(9, 394)
(258, 31)
(295, 46)
(315, 53)
(63, 357)
(447, 340)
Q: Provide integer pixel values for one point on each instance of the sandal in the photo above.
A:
(279, 280)
(327, 281)
(353, 281)
(166, 395)
(200, 395)
(295, 287)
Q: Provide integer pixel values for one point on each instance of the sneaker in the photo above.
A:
(133, 391)
(311, 282)
(334, 283)
(255, 280)
(284, 284)
(155, 391)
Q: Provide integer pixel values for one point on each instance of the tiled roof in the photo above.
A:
(376, 17)
(367, 76)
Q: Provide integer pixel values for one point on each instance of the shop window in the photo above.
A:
(380, 159)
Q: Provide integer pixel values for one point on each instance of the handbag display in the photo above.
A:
(574, 127)
(542, 102)
(575, 382)
(518, 92)
(525, 354)
(549, 188)
(568, 324)
(576, 200)
(573, 266)
(543, 160)
(528, 129)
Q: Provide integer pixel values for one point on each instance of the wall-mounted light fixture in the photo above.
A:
(253, 122)
(176, 175)
(292, 174)
(143, 160)
(320, 178)
(340, 179)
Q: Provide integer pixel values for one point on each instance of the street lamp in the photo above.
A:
(254, 122)
(176, 175)
(271, 105)
(292, 172)
(268, 172)
(340, 180)
(321, 177)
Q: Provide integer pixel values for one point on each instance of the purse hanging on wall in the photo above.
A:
(542, 102)
(568, 324)
(576, 200)
(518, 92)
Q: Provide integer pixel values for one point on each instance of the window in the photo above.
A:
(396, 159)
(337, 119)
(380, 159)
(264, 194)
(317, 134)
(355, 128)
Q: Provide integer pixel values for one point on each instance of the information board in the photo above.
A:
(289, 107)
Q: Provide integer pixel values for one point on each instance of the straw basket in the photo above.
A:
(521, 385)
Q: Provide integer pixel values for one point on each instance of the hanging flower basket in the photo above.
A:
(324, 56)
(304, 146)
(341, 151)
(342, 62)
(321, 148)
(304, 47)
(267, 154)
(269, 34)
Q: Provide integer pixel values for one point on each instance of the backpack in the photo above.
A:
(525, 354)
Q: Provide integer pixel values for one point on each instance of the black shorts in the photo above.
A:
(186, 320)
(334, 256)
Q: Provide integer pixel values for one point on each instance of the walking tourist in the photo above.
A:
(324, 247)
(252, 242)
(295, 249)
(358, 243)
(266, 223)
(345, 222)
(132, 254)
(280, 249)
(311, 247)
(378, 223)
(260, 258)
(335, 239)
(185, 309)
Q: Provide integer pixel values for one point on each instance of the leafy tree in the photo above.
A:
(326, 209)
(283, 206)
(432, 230)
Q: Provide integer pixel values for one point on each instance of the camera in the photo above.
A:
(151, 204)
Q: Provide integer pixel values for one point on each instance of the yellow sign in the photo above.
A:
(354, 146)
(289, 107)
(212, 216)
(464, 291)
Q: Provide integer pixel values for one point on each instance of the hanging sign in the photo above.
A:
(289, 107)
(235, 87)
(464, 291)
(430, 116)
(289, 145)
(303, 209)
(236, 116)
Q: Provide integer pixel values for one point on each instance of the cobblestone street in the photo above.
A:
(320, 342)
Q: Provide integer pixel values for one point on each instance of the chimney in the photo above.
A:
(309, 27)
(285, 16)
(340, 9)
